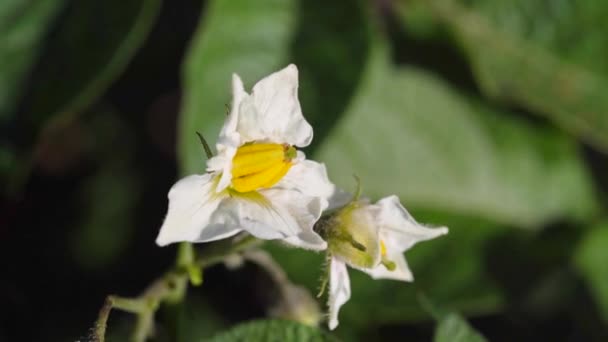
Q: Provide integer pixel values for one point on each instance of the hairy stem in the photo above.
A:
(170, 287)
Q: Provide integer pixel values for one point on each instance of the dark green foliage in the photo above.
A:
(489, 117)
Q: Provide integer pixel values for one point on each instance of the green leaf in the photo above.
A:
(272, 330)
(547, 56)
(331, 56)
(23, 25)
(197, 320)
(591, 258)
(248, 37)
(451, 327)
(454, 328)
(91, 47)
(408, 133)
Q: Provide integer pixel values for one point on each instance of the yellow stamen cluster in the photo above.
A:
(262, 165)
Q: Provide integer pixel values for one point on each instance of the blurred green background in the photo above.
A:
(488, 116)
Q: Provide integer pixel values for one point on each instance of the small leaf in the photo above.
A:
(273, 330)
(454, 328)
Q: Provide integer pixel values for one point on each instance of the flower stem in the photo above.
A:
(170, 287)
(325, 275)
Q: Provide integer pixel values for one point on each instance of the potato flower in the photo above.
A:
(371, 238)
(258, 182)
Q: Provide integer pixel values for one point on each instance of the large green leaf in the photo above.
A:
(547, 56)
(409, 133)
(272, 330)
(454, 328)
(91, 47)
(22, 27)
(591, 259)
(248, 37)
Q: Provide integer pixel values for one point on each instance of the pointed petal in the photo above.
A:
(307, 239)
(399, 230)
(273, 113)
(339, 290)
(229, 139)
(238, 95)
(222, 163)
(401, 272)
(191, 204)
(216, 232)
(309, 178)
(305, 210)
(338, 199)
(255, 213)
(307, 181)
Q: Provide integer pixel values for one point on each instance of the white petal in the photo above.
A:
(273, 113)
(401, 272)
(307, 239)
(229, 139)
(222, 163)
(238, 95)
(305, 210)
(398, 228)
(309, 178)
(256, 213)
(338, 199)
(339, 290)
(192, 201)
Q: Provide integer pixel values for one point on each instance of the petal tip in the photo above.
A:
(161, 240)
(237, 84)
(442, 230)
(292, 69)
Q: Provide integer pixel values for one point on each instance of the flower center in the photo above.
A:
(256, 166)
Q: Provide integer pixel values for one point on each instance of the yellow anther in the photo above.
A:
(256, 166)
(391, 266)
(254, 158)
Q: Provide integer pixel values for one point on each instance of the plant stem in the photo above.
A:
(170, 287)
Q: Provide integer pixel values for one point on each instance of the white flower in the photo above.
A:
(258, 181)
(371, 238)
